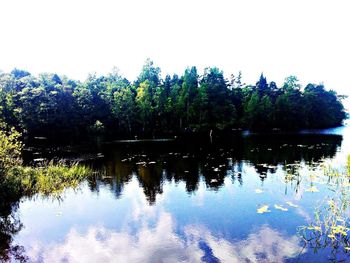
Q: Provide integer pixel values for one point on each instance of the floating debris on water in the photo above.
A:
(263, 209)
(291, 204)
(280, 207)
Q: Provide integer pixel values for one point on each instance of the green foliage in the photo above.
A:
(330, 226)
(289, 109)
(217, 109)
(150, 73)
(51, 179)
(57, 107)
(258, 112)
(124, 107)
(322, 108)
(97, 127)
(144, 102)
(16, 179)
(10, 149)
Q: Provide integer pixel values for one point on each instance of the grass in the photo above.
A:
(17, 180)
(51, 179)
(330, 227)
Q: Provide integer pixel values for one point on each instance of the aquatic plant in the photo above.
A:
(51, 179)
(18, 180)
(330, 227)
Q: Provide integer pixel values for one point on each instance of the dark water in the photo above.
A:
(187, 201)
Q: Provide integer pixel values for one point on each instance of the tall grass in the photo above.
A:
(51, 179)
(17, 180)
(330, 227)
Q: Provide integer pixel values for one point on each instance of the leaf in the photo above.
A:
(279, 207)
(263, 209)
(291, 204)
(312, 189)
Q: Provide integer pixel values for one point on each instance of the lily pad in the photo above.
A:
(263, 209)
(291, 204)
(279, 207)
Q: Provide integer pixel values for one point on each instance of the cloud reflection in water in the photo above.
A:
(162, 243)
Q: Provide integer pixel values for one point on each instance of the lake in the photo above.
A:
(233, 199)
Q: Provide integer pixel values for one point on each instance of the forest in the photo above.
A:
(56, 106)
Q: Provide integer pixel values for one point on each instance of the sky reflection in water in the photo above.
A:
(193, 207)
(158, 238)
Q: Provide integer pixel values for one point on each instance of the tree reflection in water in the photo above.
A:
(10, 225)
(189, 161)
(154, 164)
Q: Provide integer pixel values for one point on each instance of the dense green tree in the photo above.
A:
(251, 111)
(149, 72)
(56, 106)
(322, 108)
(217, 110)
(289, 105)
(175, 108)
(189, 93)
(124, 108)
(144, 103)
(261, 86)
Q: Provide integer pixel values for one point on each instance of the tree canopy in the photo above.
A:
(53, 105)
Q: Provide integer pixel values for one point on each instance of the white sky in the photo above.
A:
(306, 38)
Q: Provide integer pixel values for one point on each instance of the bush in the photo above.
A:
(10, 148)
(20, 180)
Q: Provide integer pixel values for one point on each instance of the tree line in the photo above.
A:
(52, 105)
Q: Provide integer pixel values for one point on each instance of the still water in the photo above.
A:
(239, 199)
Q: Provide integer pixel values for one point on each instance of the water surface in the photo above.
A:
(185, 201)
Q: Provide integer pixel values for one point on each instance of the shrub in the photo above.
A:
(10, 148)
